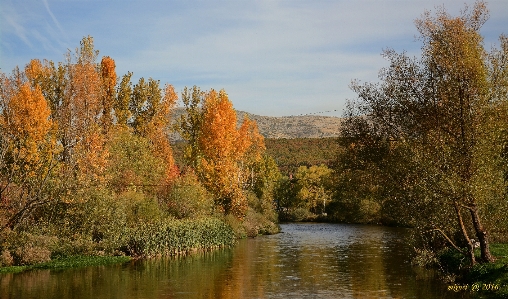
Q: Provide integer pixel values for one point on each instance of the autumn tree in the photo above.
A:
(85, 111)
(158, 130)
(28, 148)
(123, 97)
(441, 109)
(221, 153)
(222, 147)
(108, 76)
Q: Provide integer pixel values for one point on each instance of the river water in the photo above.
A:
(306, 260)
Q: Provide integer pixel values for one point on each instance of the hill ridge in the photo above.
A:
(289, 127)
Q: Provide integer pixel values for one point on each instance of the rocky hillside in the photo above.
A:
(307, 126)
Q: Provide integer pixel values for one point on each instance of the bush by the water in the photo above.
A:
(178, 236)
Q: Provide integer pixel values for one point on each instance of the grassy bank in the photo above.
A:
(22, 251)
(28, 251)
(69, 262)
(488, 280)
(491, 280)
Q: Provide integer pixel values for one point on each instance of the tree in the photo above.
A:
(222, 148)
(441, 110)
(108, 76)
(123, 97)
(27, 151)
(314, 186)
(222, 155)
(158, 127)
(190, 123)
(84, 111)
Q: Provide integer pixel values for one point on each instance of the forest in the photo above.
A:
(87, 166)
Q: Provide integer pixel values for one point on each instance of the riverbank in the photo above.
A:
(69, 262)
(484, 280)
(161, 238)
(20, 251)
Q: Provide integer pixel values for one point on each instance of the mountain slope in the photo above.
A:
(307, 126)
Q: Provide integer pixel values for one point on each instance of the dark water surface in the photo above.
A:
(305, 261)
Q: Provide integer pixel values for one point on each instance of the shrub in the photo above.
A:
(256, 223)
(177, 236)
(236, 225)
(187, 198)
(32, 249)
(6, 259)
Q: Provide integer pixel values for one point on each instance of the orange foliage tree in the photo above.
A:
(27, 148)
(223, 149)
(56, 119)
(157, 130)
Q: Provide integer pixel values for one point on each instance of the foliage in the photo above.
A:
(86, 167)
(132, 163)
(440, 120)
(309, 190)
(27, 150)
(289, 154)
(226, 158)
(255, 223)
(187, 198)
(285, 196)
(314, 186)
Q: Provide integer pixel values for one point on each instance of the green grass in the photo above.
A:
(492, 275)
(70, 262)
(484, 280)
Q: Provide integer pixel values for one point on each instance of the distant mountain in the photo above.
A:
(307, 126)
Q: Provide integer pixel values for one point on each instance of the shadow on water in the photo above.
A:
(305, 261)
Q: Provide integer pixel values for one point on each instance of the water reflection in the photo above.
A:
(305, 261)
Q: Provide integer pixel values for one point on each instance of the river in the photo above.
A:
(306, 260)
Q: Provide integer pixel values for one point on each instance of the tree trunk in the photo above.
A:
(482, 236)
(470, 246)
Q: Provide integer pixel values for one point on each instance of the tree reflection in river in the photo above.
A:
(305, 261)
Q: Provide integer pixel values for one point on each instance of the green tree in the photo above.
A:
(122, 100)
(190, 123)
(314, 187)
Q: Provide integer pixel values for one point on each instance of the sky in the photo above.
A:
(273, 58)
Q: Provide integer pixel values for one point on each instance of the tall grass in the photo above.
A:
(177, 237)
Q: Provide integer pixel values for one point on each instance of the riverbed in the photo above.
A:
(306, 260)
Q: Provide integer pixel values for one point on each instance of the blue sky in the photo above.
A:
(272, 57)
